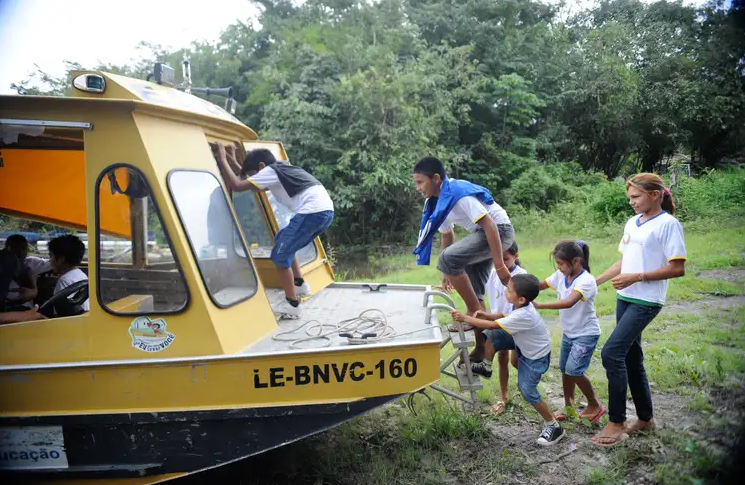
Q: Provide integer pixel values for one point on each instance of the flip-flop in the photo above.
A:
(498, 408)
(596, 417)
(454, 328)
(617, 440)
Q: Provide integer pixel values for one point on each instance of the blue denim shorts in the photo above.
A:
(576, 354)
(529, 372)
(301, 231)
(500, 339)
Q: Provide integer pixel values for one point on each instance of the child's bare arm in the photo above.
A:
(488, 316)
(567, 302)
(543, 285)
(476, 322)
(232, 180)
(610, 273)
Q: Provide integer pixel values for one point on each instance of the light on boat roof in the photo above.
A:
(90, 83)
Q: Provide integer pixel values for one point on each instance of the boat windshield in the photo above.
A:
(210, 227)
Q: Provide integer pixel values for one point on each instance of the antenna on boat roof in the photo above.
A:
(164, 74)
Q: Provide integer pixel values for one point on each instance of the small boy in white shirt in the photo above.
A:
(66, 253)
(532, 354)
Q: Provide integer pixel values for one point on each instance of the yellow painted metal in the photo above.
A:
(250, 381)
(149, 480)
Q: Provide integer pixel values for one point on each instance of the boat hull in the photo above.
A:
(171, 444)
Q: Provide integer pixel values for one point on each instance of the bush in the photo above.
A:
(545, 186)
(610, 204)
(711, 195)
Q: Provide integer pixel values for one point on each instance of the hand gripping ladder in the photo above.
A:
(461, 340)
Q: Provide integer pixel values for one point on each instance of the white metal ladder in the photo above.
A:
(462, 340)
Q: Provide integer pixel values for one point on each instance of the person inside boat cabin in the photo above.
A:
(301, 193)
(23, 290)
(66, 253)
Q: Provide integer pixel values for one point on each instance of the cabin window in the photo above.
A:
(212, 232)
(138, 272)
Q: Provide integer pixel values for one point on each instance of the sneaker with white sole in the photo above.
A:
(550, 435)
(284, 310)
(302, 290)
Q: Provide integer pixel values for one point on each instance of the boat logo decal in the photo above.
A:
(150, 335)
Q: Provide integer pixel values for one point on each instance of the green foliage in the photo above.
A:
(501, 91)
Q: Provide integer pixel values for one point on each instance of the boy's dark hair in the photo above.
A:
(430, 166)
(254, 158)
(526, 286)
(16, 241)
(69, 247)
(568, 250)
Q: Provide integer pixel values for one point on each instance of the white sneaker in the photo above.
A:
(302, 290)
(283, 309)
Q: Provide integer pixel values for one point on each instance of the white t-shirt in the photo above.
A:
(469, 210)
(495, 292)
(309, 201)
(67, 279)
(580, 320)
(37, 266)
(648, 246)
(530, 333)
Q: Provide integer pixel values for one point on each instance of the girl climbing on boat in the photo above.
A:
(576, 289)
(652, 252)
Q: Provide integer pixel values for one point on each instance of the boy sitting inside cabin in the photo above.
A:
(65, 254)
(532, 354)
(297, 190)
(466, 264)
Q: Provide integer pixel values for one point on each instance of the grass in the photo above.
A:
(694, 358)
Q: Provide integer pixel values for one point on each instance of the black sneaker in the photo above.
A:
(481, 369)
(550, 435)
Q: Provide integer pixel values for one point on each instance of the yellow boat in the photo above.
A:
(180, 364)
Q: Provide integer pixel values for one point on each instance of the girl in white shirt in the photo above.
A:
(652, 252)
(576, 289)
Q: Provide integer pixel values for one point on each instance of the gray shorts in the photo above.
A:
(471, 255)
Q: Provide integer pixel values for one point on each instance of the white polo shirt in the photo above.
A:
(529, 331)
(495, 292)
(309, 201)
(469, 210)
(647, 246)
(579, 320)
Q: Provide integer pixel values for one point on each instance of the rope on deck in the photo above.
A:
(368, 327)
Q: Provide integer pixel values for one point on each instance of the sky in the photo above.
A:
(46, 32)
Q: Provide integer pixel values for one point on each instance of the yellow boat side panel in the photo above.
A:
(168, 142)
(236, 382)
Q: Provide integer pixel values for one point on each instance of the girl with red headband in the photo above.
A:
(652, 252)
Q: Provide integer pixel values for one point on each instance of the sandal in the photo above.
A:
(454, 328)
(611, 441)
(497, 408)
(593, 419)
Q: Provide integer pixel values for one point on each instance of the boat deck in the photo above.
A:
(402, 306)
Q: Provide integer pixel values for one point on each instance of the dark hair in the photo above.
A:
(69, 247)
(526, 286)
(513, 251)
(430, 166)
(650, 182)
(254, 158)
(568, 250)
(16, 241)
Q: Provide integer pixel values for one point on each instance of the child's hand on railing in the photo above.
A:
(457, 316)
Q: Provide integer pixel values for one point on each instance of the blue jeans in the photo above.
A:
(576, 354)
(529, 373)
(623, 360)
(301, 231)
(500, 339)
